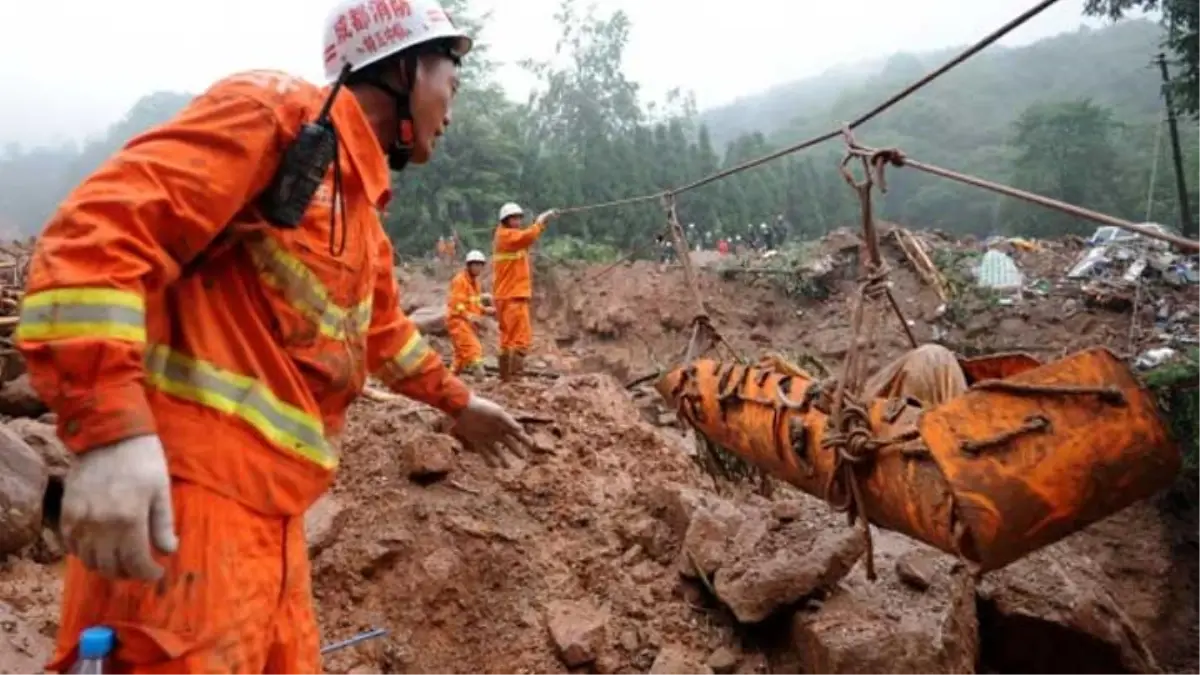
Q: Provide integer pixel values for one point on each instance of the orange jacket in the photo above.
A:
(160, 301)
(465, 299)
(511, 277)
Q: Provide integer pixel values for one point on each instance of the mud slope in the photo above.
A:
(575, 558)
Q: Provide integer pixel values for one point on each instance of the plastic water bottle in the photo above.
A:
(95, 646)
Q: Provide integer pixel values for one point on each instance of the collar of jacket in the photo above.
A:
(363, 147)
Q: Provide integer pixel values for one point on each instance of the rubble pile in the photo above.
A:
(609, 550)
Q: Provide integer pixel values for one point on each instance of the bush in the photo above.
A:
(1175, 385)
(574, 248)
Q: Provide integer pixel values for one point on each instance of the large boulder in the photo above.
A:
(1052, 611)
(891, 625)
(23, 480)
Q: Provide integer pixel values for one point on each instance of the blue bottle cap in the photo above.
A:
(96, 642)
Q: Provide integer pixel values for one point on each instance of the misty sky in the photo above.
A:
(72, 67)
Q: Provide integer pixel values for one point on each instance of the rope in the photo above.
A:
(987, 41)
(897, 158)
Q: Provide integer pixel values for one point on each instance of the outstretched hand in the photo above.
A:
(487, 428)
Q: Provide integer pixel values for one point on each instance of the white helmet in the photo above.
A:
(476, 256)
(510, 209)
(361, 32)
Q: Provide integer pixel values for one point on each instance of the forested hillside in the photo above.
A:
(1074, 117)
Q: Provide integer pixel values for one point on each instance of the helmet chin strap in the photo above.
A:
(401, 149)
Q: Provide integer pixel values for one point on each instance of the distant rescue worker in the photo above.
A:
(723, 246)
(464, 313)
(451, 249)
(440, 250)
(512, 284)
(199, 315)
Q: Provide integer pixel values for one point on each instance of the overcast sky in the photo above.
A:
(70, 68)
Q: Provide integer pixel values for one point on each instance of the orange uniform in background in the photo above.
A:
(512, 286)
(160, 302)
(450, 249)
(464, 303)
(440, 250)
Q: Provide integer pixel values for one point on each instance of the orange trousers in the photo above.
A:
(516, 329)
(468, 353)
(235, 598)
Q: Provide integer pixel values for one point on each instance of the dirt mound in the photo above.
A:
(474, 571)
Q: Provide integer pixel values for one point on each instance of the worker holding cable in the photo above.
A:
(199, 314)
(464, 315)
(512, 284)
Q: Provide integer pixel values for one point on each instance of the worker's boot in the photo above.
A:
(517, 365)
(505, 364)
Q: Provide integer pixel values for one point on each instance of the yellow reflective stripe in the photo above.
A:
(83, 312)
(460, 307)
(305, 292)
(508, 257)
(284, 425)
(407, 362)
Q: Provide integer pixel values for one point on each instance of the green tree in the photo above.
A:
(1181, 20)
(1065, 151)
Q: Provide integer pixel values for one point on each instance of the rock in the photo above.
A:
(673, 659)
(885, 625)
(1053, 612)
(43, 438)
(629, 640)
(724, 660)
(577, 630)
(18, 399)
(430, 457)
(761, 581)
(609, 323)
(323, 522)
(916, 568)
(709, 537)
(430, 320)
(667, 419)
(23, 480)
(674, 505)
(653, 536)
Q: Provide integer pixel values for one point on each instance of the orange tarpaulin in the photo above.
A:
(991, 474)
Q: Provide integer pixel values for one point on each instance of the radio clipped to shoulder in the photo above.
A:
(303, 167)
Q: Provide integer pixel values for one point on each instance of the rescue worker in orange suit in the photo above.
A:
(512, 285)
(200, 359)
(451, 253)
(440, 251)
(464, 314)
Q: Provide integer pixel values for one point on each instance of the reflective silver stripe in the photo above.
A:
(303, 290)
(285, 425)
(407, 361)
(84, 314)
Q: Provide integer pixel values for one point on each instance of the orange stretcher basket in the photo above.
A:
(1028, 455)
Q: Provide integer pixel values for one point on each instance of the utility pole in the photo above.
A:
(1185, 207)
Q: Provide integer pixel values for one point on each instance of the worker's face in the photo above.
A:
(475, 268)
(430, 103)
(513, 221)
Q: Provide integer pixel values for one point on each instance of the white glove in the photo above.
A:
(547, 216)
(488, 427)
(115, 500)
